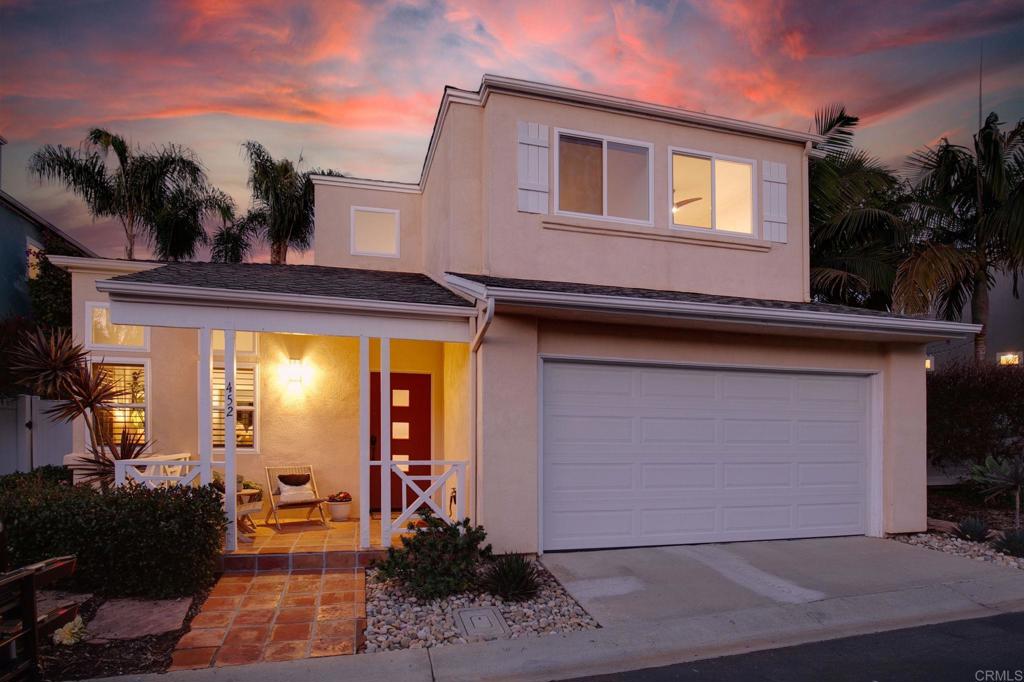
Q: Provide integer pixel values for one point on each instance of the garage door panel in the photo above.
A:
(667, 456)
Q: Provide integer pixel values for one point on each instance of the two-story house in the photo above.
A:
(587, 325)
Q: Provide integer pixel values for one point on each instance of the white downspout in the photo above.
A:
(481, 329)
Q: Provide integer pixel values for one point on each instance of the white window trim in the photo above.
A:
(755, 232)
(605, 139)
(352, 232)
(218, 354)
(256, 405)
(129, 360)
(89, 307)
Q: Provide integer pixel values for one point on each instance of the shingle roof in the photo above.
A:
(305, 280)
(666, 295)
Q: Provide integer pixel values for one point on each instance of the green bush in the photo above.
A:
(49, 474)
(975, 410)
(1011, 543)
(130, 541)
(438, 559)
(972, 528)
(512, 577)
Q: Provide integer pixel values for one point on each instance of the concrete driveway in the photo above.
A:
(627, 586)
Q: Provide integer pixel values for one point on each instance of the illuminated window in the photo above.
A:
(105, 334)
(245, 342)
(929, 363)
(375, 232)
(126, 418)
(1009, 359)
(245, 407)
(604, 177)
(399, 430)
(712, 193)
(399, 397)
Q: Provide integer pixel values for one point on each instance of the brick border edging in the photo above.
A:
(298, 561)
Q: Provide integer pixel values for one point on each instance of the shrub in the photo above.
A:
(975, 410)
(972, 528)
(1011, 543)
(512, 577)
(1000, 477)
(130, 541)
(50, 474)
(438, 559)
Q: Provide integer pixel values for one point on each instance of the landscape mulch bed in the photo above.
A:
(957, 502)
(151, 654)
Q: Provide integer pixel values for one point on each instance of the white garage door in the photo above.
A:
(648, 455)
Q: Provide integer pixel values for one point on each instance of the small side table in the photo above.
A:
(249, 503)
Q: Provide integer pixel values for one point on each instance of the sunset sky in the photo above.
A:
(355, 86)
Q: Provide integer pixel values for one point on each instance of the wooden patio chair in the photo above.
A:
(274, 489)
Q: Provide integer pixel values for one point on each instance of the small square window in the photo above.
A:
(104, 333)
(400, 430)
(399, 397)
(245, 342)
(375, 232)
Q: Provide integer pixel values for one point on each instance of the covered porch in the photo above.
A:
(363, 378)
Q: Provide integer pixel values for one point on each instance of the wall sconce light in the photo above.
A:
(295, 371)
(929, 363)
(1009, 359)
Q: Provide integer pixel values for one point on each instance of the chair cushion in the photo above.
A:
(293, 479)
(296, 492)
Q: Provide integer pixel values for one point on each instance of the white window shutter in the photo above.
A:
(533, 167)
(773, 178)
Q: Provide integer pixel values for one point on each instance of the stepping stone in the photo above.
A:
(133, 618)
(48, 600)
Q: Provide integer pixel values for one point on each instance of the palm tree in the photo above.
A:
(161, 195)
(970, 211)
(282, 201)
(854, 218)
(235, 237)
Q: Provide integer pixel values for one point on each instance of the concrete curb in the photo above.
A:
(654, 643)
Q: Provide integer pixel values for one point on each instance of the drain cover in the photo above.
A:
(484, 621)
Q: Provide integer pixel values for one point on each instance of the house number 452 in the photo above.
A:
(229, 399)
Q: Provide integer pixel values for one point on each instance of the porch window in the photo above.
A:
(245, 342)
(375, 232)
(712, 193)
(245, 407)
(127, 418)
(102, 333)
(604, 177)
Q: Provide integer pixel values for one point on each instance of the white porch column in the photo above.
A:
(205, 415)
(385, 442)
(230, 417)
(364, 442)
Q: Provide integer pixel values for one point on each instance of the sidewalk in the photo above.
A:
(653, 643)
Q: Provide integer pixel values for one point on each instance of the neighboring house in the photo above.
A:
(589, 321)
(27, 437)
(1005, 340)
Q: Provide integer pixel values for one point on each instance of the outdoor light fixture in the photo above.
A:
(295, 371)
(929, 363)
(1009, 359)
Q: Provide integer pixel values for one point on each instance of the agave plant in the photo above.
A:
(1000, 476)
(512, 577)
(52, 365)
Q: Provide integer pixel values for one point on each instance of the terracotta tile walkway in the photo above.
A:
(276, 617)
(308, 536)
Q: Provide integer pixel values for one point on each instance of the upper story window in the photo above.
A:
(245, 342)
(33, 252)
(374, 232)
(102, 333)
(712, 192)
(603, 177)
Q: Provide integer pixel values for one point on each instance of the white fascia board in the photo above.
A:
(366, 183)
(144, 291)
(102, 265)
(722, 312)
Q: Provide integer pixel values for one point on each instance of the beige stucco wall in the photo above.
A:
(509, 458)
(466, 219)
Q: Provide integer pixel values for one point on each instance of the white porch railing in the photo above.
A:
(423, 487)
(159, 470)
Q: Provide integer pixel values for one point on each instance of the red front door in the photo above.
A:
(410, 431)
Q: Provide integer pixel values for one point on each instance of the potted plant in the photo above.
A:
(340, 505)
